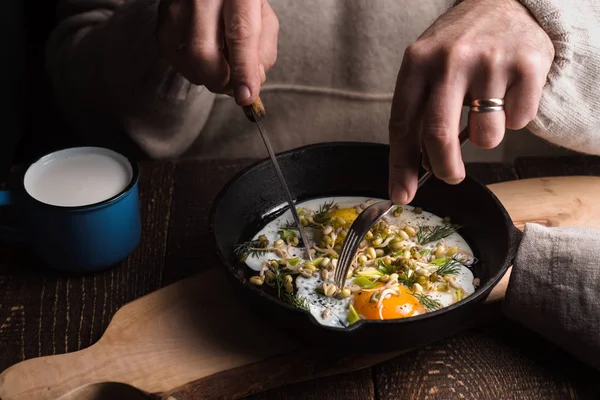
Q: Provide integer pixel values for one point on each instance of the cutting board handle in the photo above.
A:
(552, 201)
(178, 335)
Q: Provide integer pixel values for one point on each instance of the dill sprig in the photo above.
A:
(278, 281)
(450, 267)
(291, 226)
(407, 280)
(255, 248)
(427, 302)
(384, 269)
(297, 301)
(427, 234)
(322, 216)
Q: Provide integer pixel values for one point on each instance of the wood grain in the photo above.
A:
(45, 312)
(502, 361)
(178, 335)
(356, 385)
(189, 249)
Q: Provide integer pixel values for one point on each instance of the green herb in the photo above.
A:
(407, 279)
(427, 302)
(424, 252)
(300, 302)
(322, 216)
(365, 282)
(450, 267)
(286, 234)
(352, 315)
(278, 281)
(255, 248)
(384, 269)
(291, 225)
(428, 234)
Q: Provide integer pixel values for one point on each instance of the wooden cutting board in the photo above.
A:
(192, 340)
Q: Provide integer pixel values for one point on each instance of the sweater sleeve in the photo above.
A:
(554, 288)
(109, 78)
(568, 113)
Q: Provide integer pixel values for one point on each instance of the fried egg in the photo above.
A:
(333, 311)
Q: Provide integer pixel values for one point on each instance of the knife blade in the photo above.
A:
(256, 113)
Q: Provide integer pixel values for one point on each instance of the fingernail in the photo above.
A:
(425, 165)
(453, 181)
(242, 93)
(398, 195)
(263, 75)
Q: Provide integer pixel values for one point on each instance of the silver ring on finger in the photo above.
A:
(487, 102)
(486, 108)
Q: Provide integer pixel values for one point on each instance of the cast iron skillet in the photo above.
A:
(359, 169)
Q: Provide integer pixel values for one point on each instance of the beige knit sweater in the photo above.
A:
(336, 69)
(337, 65)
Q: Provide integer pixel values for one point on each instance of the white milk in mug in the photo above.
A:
(78, 177)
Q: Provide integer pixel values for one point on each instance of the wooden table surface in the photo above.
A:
(43, 312)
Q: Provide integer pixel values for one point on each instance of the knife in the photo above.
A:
(256, 113)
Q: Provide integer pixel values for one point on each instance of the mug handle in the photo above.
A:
(8, 234)
(6, 198)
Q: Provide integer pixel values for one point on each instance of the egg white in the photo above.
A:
(338, 315)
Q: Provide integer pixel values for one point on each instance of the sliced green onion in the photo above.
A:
(365, 282)
(294, 261)
(352, 315)
(369, 272)
(440, 261)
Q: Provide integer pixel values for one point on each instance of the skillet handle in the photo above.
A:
(258, 108)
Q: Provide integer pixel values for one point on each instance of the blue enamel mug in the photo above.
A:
(79, 209)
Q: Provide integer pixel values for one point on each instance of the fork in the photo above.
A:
(365, 221)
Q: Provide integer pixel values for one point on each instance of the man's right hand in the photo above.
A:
(225, 45)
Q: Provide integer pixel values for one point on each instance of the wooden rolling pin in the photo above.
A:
(177, 343)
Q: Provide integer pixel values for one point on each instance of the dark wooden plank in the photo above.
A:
(43, 312)
(355, 385)
(197, 183)
(501, 361)
(534, 167)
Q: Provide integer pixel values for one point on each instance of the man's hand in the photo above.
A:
(481, 49)
(225, 45)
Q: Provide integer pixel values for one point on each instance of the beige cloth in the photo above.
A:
(333, 80)
(554, 288)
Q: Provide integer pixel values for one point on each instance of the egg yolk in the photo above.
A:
(401, 305)
(347, 214)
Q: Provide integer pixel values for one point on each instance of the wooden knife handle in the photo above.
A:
(259, 110)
